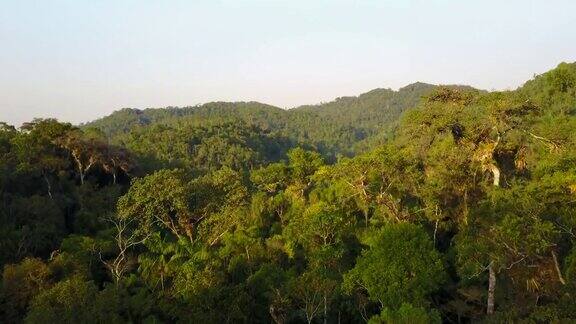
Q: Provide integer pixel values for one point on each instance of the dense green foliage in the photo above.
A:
(425, 205)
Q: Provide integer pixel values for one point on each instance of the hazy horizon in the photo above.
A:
(78, 60)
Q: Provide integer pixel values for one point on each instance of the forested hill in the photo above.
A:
(341, 127)
(466, 213)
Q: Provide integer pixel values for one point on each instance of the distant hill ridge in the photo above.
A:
(151, 115)
(335, 128)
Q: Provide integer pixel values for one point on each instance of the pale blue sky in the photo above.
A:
(78, 60)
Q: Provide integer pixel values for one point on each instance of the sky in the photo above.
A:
(79, 60)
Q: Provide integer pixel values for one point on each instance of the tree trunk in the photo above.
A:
(80, 167)
(435, 231)
(491, 272)
(325, 310)
(557, 266)
(491, 288)
(496, 174)
(48, 185)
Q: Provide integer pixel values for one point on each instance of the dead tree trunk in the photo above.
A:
(557, 266)
(491, 288)
(496, 174)
(48, 185)
(491, 272)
